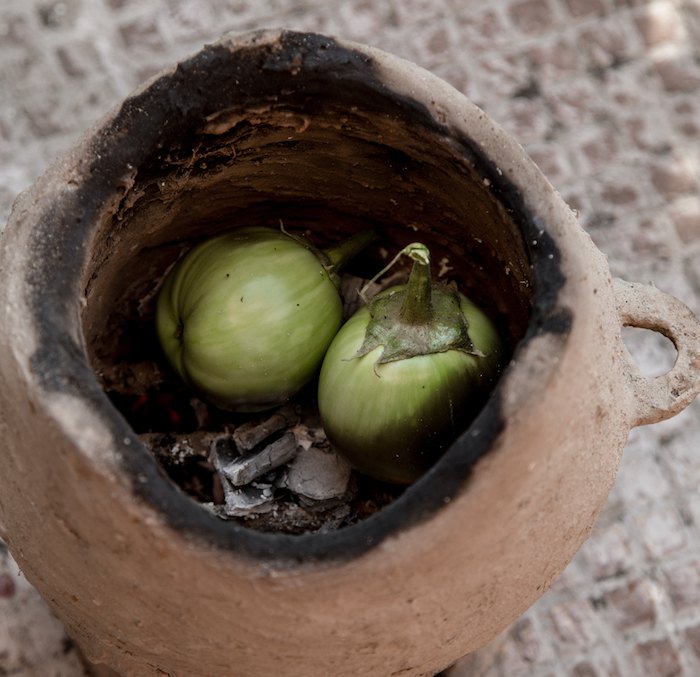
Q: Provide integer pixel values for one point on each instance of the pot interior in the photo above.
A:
(341, 174)
(326, 155)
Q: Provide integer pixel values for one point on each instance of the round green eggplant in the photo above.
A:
(246, 317)
(393, 420)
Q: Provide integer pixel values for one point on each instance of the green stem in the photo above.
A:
(335, 258)
(338, 255)
(417, 307)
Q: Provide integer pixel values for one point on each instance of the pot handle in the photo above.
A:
(646, 307)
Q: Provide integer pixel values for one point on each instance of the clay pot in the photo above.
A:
(278, 124)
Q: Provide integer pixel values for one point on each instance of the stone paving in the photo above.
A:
(605, 96)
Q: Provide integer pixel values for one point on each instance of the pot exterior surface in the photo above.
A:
(150, 583)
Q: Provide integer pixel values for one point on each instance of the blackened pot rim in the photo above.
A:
(175, 100)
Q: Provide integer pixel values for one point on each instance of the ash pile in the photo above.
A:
(275, 473)
(299, 461)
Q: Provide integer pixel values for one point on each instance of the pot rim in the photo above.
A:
(60, 242)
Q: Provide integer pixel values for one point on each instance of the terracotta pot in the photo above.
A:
(274, 124)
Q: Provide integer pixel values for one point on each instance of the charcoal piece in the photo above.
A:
(222, 451)
(255, 498)
(245, 469)
(318, 474)
(250, 434)
(242, 501)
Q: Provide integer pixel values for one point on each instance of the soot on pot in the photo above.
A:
(377, 161)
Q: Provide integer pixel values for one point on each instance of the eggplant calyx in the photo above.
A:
(425, 318)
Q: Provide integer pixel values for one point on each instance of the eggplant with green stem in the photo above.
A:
(406, 375)
(246, 317)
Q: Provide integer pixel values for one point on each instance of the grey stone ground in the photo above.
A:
(605, 96)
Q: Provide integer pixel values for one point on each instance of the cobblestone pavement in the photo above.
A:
(605, 96)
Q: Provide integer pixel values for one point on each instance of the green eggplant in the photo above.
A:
(246, 317)
(406, 375)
